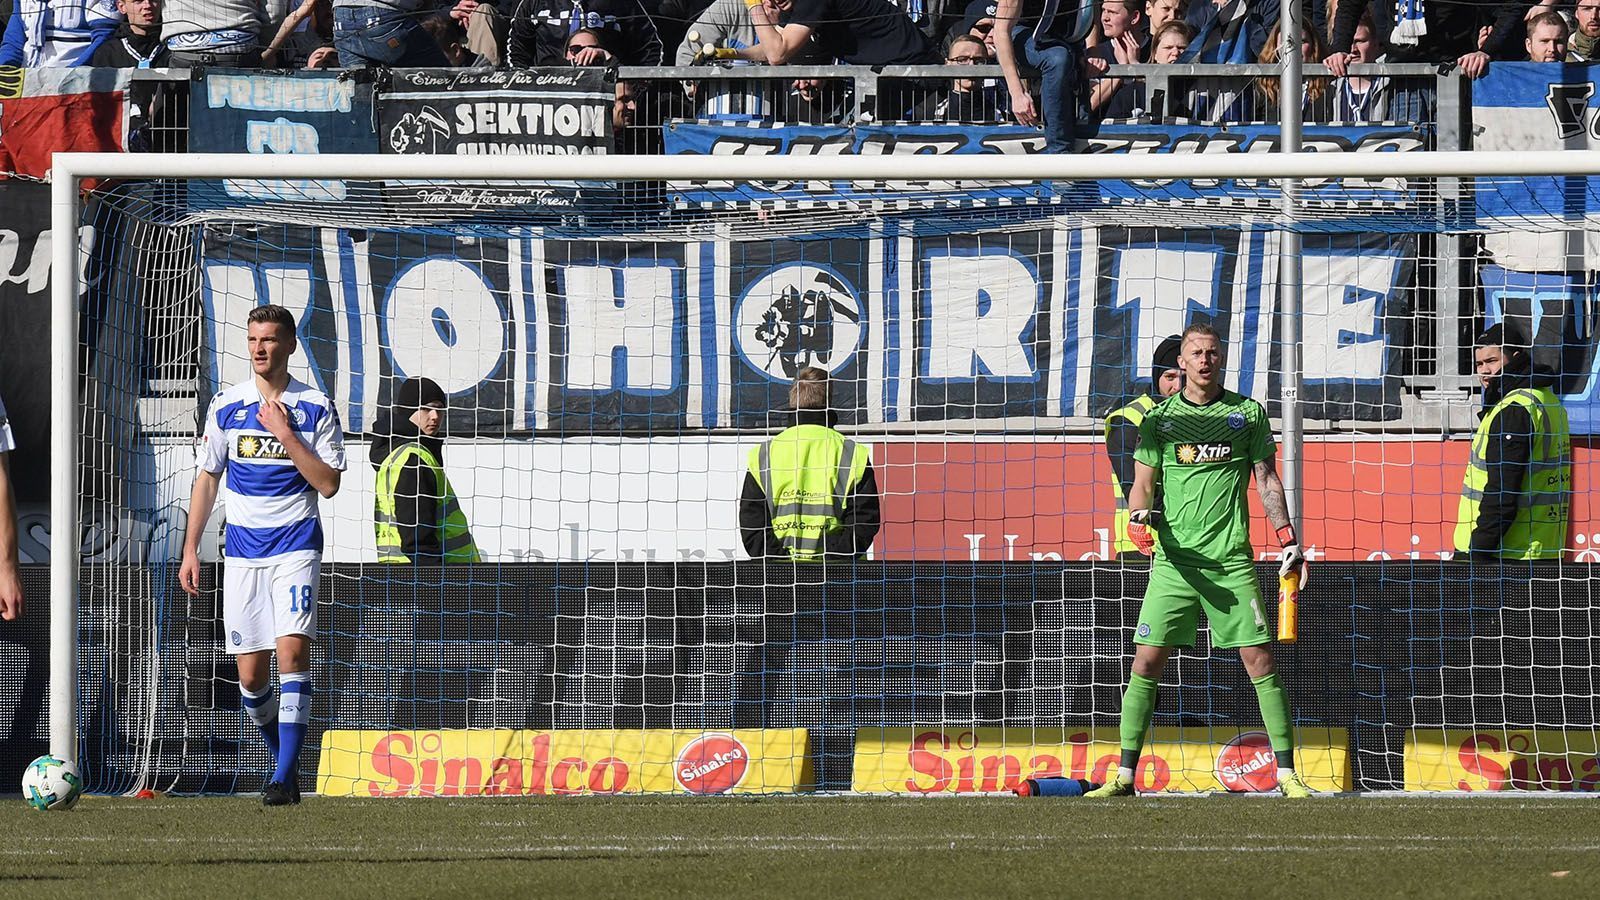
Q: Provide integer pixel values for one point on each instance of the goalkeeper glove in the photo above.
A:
(1139, 531)
(1293, 558)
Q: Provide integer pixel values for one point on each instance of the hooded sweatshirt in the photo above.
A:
(417, 496)
(1510, 448)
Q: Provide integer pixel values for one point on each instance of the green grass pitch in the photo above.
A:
(819, 847)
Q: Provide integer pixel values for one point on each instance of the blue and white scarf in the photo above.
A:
(1410, 25)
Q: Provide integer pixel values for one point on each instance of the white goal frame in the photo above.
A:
(70, 168)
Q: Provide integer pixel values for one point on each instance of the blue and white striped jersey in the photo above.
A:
(271, 509)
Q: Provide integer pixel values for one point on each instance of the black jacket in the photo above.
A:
(860, 519)
(539, 30)
(1509, 450)
(1452, 29)
(418, 496)
(126, 50)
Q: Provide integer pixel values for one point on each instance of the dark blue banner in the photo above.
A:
(308, 111)
(1385, 195)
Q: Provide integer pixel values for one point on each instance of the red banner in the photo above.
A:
(59, 110)
(1364, 499)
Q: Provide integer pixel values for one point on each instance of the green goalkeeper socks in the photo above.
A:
(1274, 714)
(1137, 703)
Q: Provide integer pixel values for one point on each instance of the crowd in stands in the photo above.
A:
(1057, 59)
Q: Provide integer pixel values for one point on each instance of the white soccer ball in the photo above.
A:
(51, 782)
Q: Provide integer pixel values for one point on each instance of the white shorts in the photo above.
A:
(263, 603)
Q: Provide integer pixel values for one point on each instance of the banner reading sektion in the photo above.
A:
(500, 112)
(523, 763)
(990, 760)
(1498, 759)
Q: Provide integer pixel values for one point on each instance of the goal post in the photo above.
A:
(922, 182)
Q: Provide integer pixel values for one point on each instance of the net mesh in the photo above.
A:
(613, 352)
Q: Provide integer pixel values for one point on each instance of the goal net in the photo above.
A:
(614, 344)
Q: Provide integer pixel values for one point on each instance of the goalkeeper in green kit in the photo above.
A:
(1203, 443)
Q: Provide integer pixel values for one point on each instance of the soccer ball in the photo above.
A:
(51, 782)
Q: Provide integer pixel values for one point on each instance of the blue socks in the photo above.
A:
(294, 714)
(263, 711)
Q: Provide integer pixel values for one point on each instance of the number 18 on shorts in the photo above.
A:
(263, 603)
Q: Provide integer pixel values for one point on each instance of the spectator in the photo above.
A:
(1360, 99)
(978, 22)
(1316, 101)
(539, 30)
(1547, 38)
(932, 17)
(1230, 31)
(1159, 12)
(304, 31)
(673, 18)
(1437, 31)
(858, 32)
(587, 47)
(485, 29)
(452, 41)
(1120, 23)
(384, 33)
(724, 24)
(49, 33)
(1584, 44)
(624, 113)
(1167, 45)
(136, 44)
(813, 101)
(1049, 42)
(1169, 42)
(966, 100)
(229, 33)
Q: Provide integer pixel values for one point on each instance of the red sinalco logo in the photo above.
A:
(713, 764)
(1247, 764)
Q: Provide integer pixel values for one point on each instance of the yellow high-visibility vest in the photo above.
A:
(1539, 530)
(807, 473)
(455, 536)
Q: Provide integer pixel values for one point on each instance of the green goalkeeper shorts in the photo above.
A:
(1230, 597)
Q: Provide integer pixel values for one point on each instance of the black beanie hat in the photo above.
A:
(416, 393)
(1166, 358)
(1504, 335)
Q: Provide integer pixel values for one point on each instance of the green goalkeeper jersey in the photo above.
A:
(1203, 457)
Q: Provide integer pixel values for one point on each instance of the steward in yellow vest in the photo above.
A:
(1122, 438)
(810, 492)
(416, 516)
(1516, 495)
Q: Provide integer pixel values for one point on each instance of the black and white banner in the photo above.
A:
(503, 112)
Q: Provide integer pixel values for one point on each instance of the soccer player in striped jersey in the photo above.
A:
(1204, 443)
(280, 444)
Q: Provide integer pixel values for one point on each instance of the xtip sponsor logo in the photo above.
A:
(1203, 454)
(253, 447)
(712, 764)
(1247, 764)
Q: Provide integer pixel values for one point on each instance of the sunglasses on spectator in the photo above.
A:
(574, 48)
(983, 27)
(972, 60)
